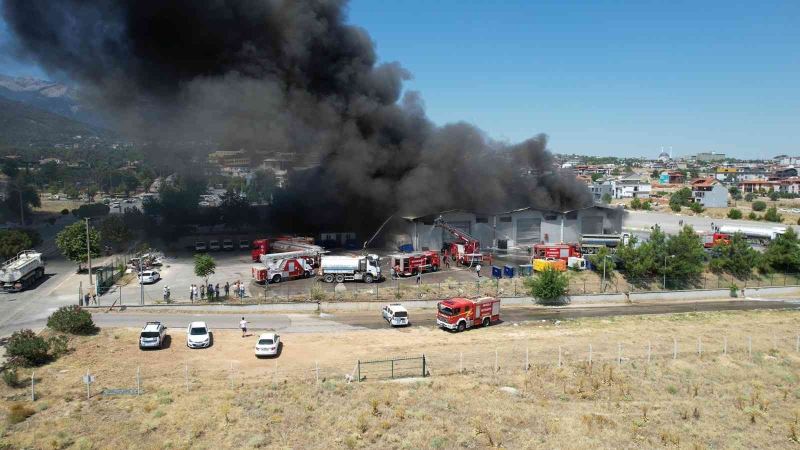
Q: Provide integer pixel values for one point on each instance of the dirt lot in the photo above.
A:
(738, 399)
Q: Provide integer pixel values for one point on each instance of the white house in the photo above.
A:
(631, 186)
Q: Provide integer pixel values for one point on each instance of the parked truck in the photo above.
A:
(22, 271)
(350, 268)
(408, 264)
(592, 243)
(758, 235)
(460, 313)
(557, 251)
(283, 269)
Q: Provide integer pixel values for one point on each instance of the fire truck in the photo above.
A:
(713, 240)
(282, 269)
(285, 244)
(467, 250)
(557, 251)
(409, 264)
(460, 313)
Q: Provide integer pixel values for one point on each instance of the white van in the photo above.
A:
(396, 315)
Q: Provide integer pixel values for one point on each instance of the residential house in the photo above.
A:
(786, 172)
(631, 186)
(600, 188)
(747, 186)
(710, 193)
(671, 177)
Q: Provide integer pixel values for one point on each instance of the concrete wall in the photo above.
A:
(717, 197)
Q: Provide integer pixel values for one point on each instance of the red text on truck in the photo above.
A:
(461, 313)
(408, 264)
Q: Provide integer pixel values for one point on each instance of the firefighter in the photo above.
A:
(396, 271)
(419, 276)
(478, 269)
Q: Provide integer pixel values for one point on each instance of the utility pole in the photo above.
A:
(89, 253)
(21, 208)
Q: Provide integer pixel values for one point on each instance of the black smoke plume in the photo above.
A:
(285, 76)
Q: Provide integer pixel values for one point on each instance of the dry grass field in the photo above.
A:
(735, 383)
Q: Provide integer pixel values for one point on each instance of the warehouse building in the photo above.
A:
(519, 228)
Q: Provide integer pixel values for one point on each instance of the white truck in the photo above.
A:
(761, 235)
(22, 271)
(350, 268)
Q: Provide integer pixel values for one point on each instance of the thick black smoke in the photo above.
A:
(289, 76)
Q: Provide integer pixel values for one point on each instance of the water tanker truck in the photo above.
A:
(350, 268)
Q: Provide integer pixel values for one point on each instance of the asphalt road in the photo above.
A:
(346, 321)
(641, 221)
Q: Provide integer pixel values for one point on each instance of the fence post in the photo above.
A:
(674, 348)
(187, 376)
(392, 375)
(359, 371)
(316, 370)
(138, 382)
(699, 346)
(649, 351)
(725, 345)
(619, 354)
(33, 393)
(750, 347)
(590, 355)
(424, 366)
(527, 359)
(495, 360)
(559, 356)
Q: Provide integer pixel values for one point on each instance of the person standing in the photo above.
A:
(166, 293)
(216, 291)
(478, 270)
(419, 276)
(243, 326)
(241, 291)
(227, 289)
(191, 293)
(194, 290)
(202, 291)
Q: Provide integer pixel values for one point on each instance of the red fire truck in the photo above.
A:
(282, 244)
(275, 271)
(711, 241)
(460, 313)
(409, 264)
(465, 251)
(557, 251)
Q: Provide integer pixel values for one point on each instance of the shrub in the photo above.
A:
(758, 205)
(18, 412)
(636, 204)
(734, 214)
(772, 215)
(675, 207)
(749, 197)
(10, 377)
(64, 212)
(752, 216)
(58, 345)
(549, 287)
(73, 320)
(696, 207)
(26, 348)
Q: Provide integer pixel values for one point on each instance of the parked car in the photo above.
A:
(200, 246)
(213, 246)
(396, 315)
(152, 335)
(227, 244)
(268, 344)
(244, 244)
(198, 335)
(149, 276)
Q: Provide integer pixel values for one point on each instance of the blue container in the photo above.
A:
(508, 271)
(406, 248)
(496, 272)
(525, 270)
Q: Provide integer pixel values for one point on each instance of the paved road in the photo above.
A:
(641, 221)
(356, 320)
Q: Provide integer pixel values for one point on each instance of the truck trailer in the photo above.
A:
(22, 271)
(350, 268)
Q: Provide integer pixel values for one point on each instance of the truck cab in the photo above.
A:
(461, 313)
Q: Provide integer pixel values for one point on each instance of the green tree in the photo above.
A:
(71, 241)
(261, 186)
(10, 168)
(596, 176)
(548, 287)
(774, 196)
(646, 205)
(736, 194)
(772, 215)
(204, 266)
(636, 204)
(734, 214)
(14, 241)
(737, 258)
(696, 207)
(26, 348)
(114, 231)
(234, 210)
(749, 197)
(606, 198)
(681, 197)
(73, 320)
(16, 191)
(655, 174)
(603, 256)
(758, 205)
(685, 258)
(91, 210)
(783, 253)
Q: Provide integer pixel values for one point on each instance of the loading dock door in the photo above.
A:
(592, 225)
(529, 231)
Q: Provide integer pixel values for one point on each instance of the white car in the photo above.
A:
(198, 335)
(268, 344)
(214, 246)
(227, 244)
(396, 314)
(149, 276)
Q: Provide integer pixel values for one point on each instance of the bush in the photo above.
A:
(64, 212)
(549, 287)
(18, 412)
(734, 214)
(696, 207)
(759, 205)
(636, 204)
(749, 197)
(772, 215)
(26, 348)
(10, 377)
(675, 207)
(752, 216)
(73, 320)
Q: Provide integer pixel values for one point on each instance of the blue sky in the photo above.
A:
(602, 78)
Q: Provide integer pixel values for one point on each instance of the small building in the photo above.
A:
(789, 185)
(712, 156)
(600, 188)
(726, 174)
(787, 172)
(747, 186)
(671, 177)
(631, 186)
(710, 193)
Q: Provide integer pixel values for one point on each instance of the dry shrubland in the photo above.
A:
(715, 400)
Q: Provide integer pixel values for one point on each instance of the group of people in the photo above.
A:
(213, 291)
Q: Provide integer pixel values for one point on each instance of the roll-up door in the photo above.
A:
(592, 225)
(529, 231)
